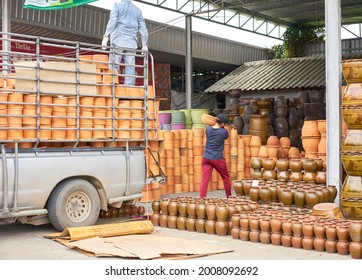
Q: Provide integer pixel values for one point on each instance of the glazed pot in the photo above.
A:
(181, 223)
(210, 226)
(287, 197)
(352, 70)
(311, 198)
(222, 212)
(320, 177)
(221, 228)
(352, 140)
(190, 224)
(269, 164)
(352, 94)
(352, 163)
(265, 194)
(200, 225)
(299, 198)
(282, 165)
(210, 210)
(238, 187)
(283, 175)
(296, 165)
(310, 165)
(352, 116)
(352, 187)
(256, 163)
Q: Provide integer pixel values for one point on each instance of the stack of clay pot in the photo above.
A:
(258, 126)
(255, 143)
(351, 198)
(322, 146)
(295, 121)
(272, 146)
(281, 128)
(233, 154)
(247, 153)
(264, 109)
(314, 106)
(234, 102)
(169, 148)
(238, 124)
(248, 111)
(240, 158)
(310, 138)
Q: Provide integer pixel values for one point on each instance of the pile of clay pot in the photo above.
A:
(272, 223)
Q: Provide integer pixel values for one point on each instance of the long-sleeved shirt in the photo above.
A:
(125, 21)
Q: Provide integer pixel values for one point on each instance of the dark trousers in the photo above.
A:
(221, 168)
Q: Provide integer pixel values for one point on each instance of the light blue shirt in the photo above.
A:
(125, 21)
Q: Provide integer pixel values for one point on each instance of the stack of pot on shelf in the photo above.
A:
(351, 198)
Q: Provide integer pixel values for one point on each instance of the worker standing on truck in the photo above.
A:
(125, 21)
(213, 155)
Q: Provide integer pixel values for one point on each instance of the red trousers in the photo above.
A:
(221, 168)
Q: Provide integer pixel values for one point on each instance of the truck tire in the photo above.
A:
(73, 203)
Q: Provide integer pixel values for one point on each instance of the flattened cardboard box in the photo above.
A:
(61, 80)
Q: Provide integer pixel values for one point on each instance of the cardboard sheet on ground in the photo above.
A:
(147, 246)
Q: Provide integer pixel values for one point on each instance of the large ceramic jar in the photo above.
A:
(172, 207)
(191, 209)
(182, 207)
(311, 198)
(287, 197)
(201, 210)
(211, 210)
(299, 198)
(265, 194)
(254, 193)
(238, 187)
(222, 212)
(164, 206)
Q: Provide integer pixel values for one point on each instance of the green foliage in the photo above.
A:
(296, 38)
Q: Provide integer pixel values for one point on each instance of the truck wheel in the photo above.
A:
(73, 203)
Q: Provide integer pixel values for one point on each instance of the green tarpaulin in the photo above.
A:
(54, 4)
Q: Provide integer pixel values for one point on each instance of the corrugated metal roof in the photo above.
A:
(277, 74)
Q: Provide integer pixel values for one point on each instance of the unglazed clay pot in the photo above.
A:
(355, 231)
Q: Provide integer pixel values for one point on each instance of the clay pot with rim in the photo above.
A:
(310, 165)
(269, 164)
(282, 165)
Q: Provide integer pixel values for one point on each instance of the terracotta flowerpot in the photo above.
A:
(273, 141)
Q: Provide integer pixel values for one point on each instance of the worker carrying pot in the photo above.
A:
(125, 21)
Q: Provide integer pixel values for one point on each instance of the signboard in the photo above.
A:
(54, 4)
